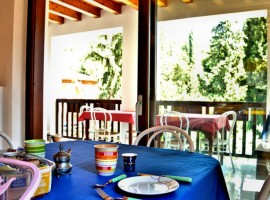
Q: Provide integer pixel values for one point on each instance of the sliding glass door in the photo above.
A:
(200, 57)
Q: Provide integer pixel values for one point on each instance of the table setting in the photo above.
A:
(102, 170)
(106, 156)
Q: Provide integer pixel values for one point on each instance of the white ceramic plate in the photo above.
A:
(148, 185)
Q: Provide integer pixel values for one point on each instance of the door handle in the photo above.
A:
(138, 112)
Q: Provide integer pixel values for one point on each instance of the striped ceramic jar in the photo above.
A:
(106, 158)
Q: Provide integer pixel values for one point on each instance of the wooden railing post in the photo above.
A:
(67, 110)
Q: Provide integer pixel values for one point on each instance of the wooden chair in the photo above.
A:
(103, 125)
(171, 118)
(157, 130)
(222, 142)
(264, 193)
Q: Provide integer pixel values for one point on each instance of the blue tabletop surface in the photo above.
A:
(207, 179)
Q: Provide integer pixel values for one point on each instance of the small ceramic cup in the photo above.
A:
(106, 156)
(129, 161)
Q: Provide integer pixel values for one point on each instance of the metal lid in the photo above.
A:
(62, 155)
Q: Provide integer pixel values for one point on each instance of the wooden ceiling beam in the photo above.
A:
(59, 10)
(132, 3)
(80, 6)
(107, 5)
(65, 12)
(135, 3)
(187, 1)
(56, 19)
(162, 3)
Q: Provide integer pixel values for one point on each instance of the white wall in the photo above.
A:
(6, 40)
(2, 88)
(19, 72)
(13, 21)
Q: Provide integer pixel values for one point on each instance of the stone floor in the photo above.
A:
(242, 184)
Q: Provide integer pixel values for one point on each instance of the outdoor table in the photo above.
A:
(117, 116)
(206, 123)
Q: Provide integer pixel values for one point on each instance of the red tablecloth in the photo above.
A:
(201, 122)
(207, 124)
(117, 116)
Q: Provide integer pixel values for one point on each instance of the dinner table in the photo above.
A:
(117, 116)
(208, 124)
(205, 172)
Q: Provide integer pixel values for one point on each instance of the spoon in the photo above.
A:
(113, 180)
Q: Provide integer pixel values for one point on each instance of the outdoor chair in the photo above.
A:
(104, 126)
(222, 141)
(85, 108)
(155, 131)
(174, 118)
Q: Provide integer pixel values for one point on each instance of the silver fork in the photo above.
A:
(105, 196)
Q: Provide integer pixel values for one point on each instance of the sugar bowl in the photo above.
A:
(62, 162)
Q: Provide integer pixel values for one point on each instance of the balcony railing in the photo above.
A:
(67, 114)
(249, 124)
(250, 119)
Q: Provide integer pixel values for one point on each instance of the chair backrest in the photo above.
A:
(265, 190)
(7, 139)
(85, 108)
(174, 118)
(156, 130)
(106, 118)
(181, 118)
(222, 122)
(25, 167)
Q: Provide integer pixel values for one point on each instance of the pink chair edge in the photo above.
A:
(35, 181)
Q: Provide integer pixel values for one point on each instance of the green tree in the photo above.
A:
(255, 60)
(177, 70)
(223, 74)
(168, 54)
(183, 72)
(104, 61)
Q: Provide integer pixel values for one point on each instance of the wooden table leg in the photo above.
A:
(130, 133)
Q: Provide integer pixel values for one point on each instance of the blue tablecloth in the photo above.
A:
(207, 179)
